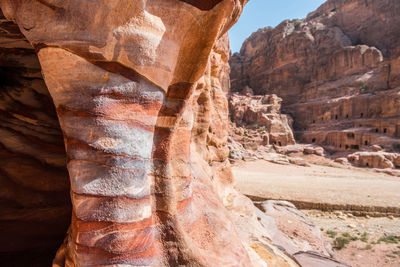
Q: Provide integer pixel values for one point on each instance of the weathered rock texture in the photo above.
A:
(123, 77)
(262, 113)
(35, 205)
(139, 90)
(378, 159)
(337, 72)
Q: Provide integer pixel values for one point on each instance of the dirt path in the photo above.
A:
(318, 184)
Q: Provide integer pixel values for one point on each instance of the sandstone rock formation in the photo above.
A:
(380, 160)
(337, 72)
(145, 134)
(123, 79)
(263, 114)
(139, 89)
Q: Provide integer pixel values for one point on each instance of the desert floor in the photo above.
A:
(371, 241)
(317, 184)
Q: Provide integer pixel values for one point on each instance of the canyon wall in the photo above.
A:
(337, 72)
(140, 123)
(258, 121)
(122, 106)
(126, 107)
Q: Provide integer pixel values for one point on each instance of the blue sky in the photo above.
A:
(262, 13)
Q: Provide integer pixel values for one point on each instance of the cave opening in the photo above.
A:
(41, 210)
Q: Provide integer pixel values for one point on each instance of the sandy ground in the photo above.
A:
(367, 246)
(372, 242)
(317, 184)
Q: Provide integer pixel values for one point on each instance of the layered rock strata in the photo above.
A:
(337, 72)
(141, 106)
(263, 115)
(139, 90)
(125, 109)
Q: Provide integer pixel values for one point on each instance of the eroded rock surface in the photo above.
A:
(262, 113)
(139, 90)
(337, 72)
(35, 205)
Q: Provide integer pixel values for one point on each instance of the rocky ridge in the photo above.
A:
(337, 72)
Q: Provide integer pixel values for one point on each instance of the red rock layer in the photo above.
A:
(139, 88)
(122, 76)
(337, 72)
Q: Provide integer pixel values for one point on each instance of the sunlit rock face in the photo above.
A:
(139, 89)
(337, 72)
(124, 77)
(262, 111)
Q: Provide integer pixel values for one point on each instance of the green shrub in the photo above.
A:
(331, 234)
(364, 89)
(346, 235)
(391, 239)
(364, 237)
(341, 242)
(350, 237)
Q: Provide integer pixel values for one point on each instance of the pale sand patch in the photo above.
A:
(317, 184)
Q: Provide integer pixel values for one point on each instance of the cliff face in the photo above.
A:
(262, 113)
(337, 72)
(145, 136)
(126, 109)
(139, 91)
